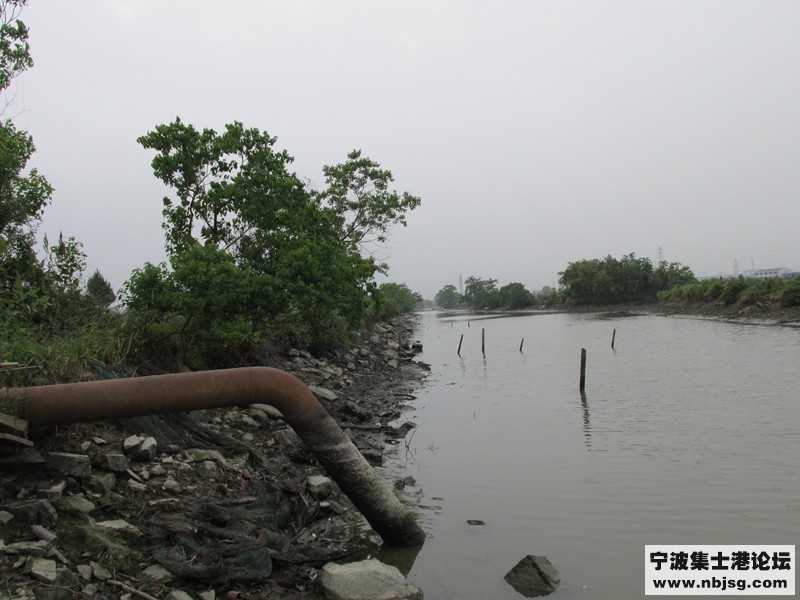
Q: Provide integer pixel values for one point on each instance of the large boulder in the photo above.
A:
(365, 580)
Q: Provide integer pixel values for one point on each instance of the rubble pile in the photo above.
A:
(221, 503)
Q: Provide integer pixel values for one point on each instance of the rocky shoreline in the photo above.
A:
(221, 503)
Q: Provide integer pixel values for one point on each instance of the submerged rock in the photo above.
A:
(534, 576)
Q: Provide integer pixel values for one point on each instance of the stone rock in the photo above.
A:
(33, 512)
(28, 548)
(103, 482)
(75, 505)
(373, 455)
(119, 525)
(200, 455)
(178, 595)
(319, 486)
(54, 492)
(43, 569)
(323, 393)
(408, 480)
(171, 485)
(248, 420)
(534, 576)
(136, 486)
(147, 450)
(270, 411)
(67, 579)
(85, 572)
(66, 463)
(356, 410)
(157, 471)
(5, 517)
(131, 443)
(114, 461)
(286, 437)
(208, 470)
(157, 574)
(365, 580)
(100, 571)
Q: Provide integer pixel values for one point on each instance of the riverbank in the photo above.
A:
(753, 313)
(222, 503)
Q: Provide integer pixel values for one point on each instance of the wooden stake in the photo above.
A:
(613, 337)
(459, 344)
(521, 344)
(483, 341)
(583, 370)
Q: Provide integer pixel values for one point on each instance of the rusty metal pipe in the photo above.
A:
(118, 398)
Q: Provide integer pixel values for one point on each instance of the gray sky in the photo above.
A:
(535, 132)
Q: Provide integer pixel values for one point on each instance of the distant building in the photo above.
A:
(767, 273)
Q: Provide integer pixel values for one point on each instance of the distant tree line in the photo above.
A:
(484, 294)
(611, 280)
(589, 281)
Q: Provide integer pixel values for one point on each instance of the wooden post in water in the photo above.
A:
(521, 344)
(583, 370)
(459, 344)
(483, 341)
(613, 337)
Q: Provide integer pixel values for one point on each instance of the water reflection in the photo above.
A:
(690, 438)
(587, 426)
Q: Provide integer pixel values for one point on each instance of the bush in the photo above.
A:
(732, 290)
(790, 295)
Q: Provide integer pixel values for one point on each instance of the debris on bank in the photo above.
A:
(218, 503)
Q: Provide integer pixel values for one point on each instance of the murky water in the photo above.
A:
(689, 434)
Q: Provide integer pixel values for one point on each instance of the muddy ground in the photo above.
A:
(221, 507)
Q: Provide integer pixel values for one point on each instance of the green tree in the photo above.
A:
(15, 54)
(668, 275)
(630, 279)
(23, 196)
(395, 299)
(447, 297)
(250, 248)
(100, 290)
(515, 296)
(358, 192)
(233, 189)
(481, 293)
(45, 318)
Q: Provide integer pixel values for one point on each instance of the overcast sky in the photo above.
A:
(535, 132)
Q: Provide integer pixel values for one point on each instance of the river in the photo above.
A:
(689, 433)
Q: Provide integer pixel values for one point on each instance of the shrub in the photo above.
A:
(790, 295)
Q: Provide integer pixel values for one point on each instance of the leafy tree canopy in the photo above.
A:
(481, 293)
(447, 297)
(364, 206)
(251, 248)
(629, 279)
